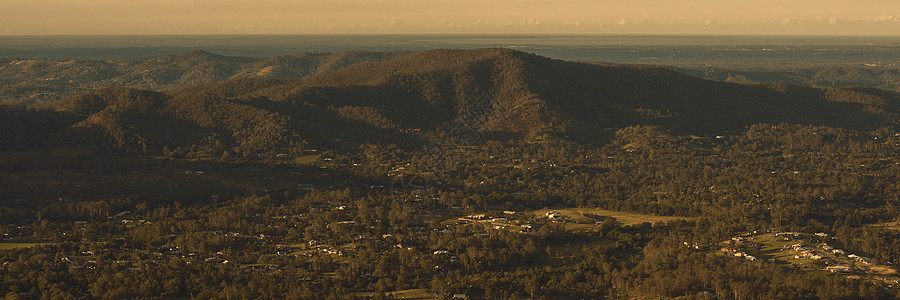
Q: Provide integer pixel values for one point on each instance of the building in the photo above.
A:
(838, 269)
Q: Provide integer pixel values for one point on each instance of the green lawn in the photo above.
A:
(774, 248)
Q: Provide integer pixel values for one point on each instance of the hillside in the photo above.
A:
(41, 82)
(402, 100)
(384, 102)
(879, 76)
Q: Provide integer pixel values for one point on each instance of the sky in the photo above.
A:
(755, 17)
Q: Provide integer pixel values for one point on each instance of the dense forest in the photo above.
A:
(485, 173)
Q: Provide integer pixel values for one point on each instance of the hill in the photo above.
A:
(880, 76)
(41, 82)
(419, 95)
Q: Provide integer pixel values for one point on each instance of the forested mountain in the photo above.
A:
(395, 101)
(880, 76)
(44, 81)
(486, 173)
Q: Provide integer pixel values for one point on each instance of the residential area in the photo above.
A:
(805, 251)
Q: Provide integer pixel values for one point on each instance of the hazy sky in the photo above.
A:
(820, 17)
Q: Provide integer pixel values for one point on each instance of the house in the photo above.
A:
(838, 269)
(787, 234)
(837, 251)
(440, 252)
(499, 220)
(509, 212)
(821, 234)
(552, 215)
(699, 246)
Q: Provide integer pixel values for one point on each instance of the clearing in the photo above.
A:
(404, 294)
(578, 215)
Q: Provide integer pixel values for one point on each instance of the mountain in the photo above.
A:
(880, 76)
(406, 99)
(41, 82)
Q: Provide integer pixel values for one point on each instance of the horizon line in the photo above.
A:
(457, 34)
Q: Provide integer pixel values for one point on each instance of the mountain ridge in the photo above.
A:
(405, 99)
(46, 81)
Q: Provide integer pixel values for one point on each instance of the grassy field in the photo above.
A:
(774, 247)
(626, 218)
(305, 159)
(780, 250)
(6, 246)
(405, 294)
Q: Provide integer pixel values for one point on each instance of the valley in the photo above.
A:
(487, 173)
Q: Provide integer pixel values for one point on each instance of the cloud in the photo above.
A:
(887, 19)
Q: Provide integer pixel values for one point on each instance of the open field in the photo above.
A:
(577, 215)
(779, 249)
(305, 159)
(6, 246)
(404, 294)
